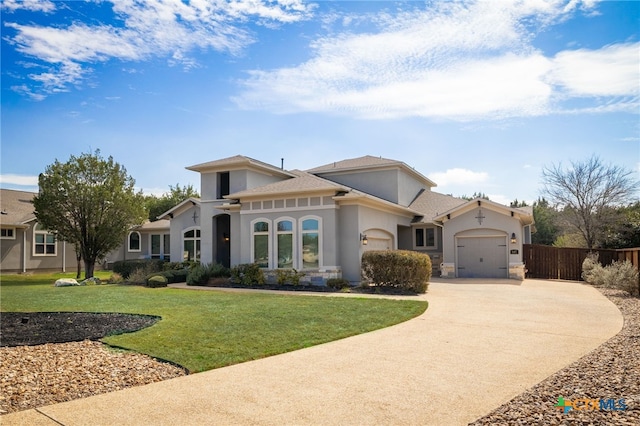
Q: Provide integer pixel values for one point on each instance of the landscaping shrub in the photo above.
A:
(180, 275)
(623, 276)
(200, 274)
(126, 267)
(620, 275)
(289, 276)
(400, 269)
(247, 274)
(337, 283)
(115, 278)
(592, 270)
(157, 281)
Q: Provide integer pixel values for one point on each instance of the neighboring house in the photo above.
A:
(150, 240)
(24, 245)
(321, 220)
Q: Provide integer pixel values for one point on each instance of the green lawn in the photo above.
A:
(202, 330)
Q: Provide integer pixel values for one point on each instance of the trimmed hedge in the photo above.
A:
(157, 281)
(399, 269)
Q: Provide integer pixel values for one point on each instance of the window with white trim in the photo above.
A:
(260, 239)
(8, 233)
(134, 241)
(284, 242)
(191, 244)
(44, 242)
(310, 230)
(160, 247)
(424, 237)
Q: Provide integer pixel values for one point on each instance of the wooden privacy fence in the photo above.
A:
(555, 263)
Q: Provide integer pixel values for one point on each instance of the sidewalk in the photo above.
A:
(477, 346)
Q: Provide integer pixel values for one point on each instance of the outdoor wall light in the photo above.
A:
(225, 236)
(364, 240)
(513, 238)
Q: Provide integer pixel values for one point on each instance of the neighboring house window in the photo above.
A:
(134, 241)
(425, 238)
(260, 232)
(44, 242)
(310, 243)
(160, 246)
(191, 244)
(167, 246)
(8, 234)
(284, 231)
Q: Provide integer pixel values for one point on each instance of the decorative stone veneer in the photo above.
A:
(311, 276)
(447, 270)
(517, 271)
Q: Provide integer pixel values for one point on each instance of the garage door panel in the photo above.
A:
(482, 257)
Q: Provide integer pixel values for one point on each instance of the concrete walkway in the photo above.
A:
(477, 346)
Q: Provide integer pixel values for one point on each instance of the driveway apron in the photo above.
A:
(478, 345)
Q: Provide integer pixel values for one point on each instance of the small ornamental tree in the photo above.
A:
(90, 202)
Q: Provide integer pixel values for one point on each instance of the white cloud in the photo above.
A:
(610, 71)
(458, 176)
(153, 28)
(452, 60)
(32, 5)
(20, 180)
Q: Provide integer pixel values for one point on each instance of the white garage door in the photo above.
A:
(482, 257)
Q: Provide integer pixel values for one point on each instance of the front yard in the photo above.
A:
(202, 330)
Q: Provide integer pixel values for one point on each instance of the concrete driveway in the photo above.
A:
(477, 346)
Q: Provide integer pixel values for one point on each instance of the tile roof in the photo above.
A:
(302, 182)
(356, 163)
(368, 162)
(431, 204)
(162, 224)
(236, 161)
(17, 205)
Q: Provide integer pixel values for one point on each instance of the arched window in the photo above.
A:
(284, 230)
(134, 241)
(311, 249)
(44, 242)
(260, 233)
(191, 244)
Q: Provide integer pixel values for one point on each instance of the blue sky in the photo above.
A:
(478, 96)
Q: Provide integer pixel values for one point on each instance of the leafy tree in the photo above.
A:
(586, 193)
(176, 195)
(516, 204)
(546, 223)
(626, 232)
(476, 195)
(89, 201)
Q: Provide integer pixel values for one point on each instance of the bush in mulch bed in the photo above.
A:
(37, 328)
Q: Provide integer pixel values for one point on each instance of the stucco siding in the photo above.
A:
(382, 183)
(408, 188)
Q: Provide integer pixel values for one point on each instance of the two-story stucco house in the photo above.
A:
(321, 220)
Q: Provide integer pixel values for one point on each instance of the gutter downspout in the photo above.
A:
(24, 251)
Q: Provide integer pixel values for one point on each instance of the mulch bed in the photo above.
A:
(36, 328)
(52, 357)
